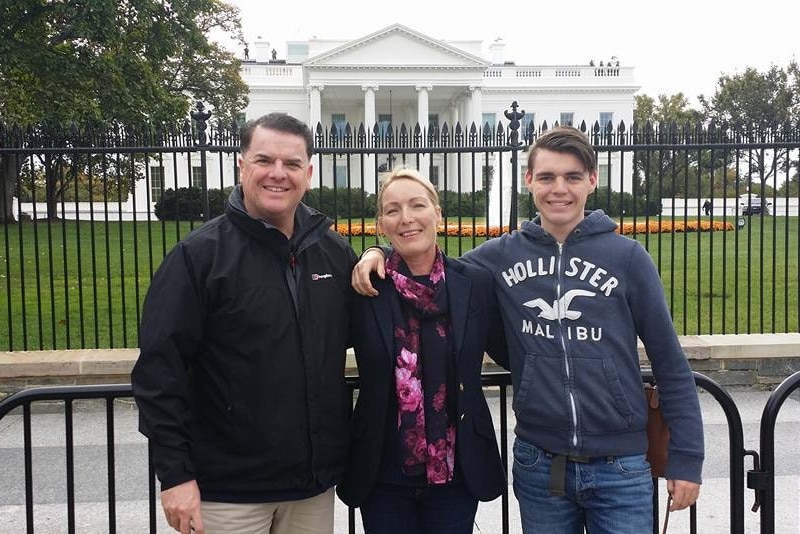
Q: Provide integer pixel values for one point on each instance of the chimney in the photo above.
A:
(497, 49)
(262, 50)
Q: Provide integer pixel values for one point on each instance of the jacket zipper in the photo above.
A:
(294, 288)
(564, 350)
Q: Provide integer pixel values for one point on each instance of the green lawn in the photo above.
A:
(88, 292)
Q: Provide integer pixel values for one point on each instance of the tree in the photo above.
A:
(664, 173)
(758, 106)
(790, 187)
(130, 61)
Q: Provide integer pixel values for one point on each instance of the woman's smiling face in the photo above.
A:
(409, 217)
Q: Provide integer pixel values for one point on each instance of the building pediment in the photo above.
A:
(396, 47)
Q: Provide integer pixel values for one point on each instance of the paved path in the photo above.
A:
(131, 472)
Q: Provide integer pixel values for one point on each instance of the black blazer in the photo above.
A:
(476, 327)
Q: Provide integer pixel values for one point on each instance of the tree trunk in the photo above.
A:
(51, 197)
(52, 169)
(8, 180)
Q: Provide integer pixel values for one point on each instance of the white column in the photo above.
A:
(452, 158)
(369, 106)
(315, 112)
(422, 119)
(422, 105)
(369, 124)
(476, 105)
(315, 116)
(453, 115)
(476, 116)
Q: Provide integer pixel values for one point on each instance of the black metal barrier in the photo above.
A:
(761, 478)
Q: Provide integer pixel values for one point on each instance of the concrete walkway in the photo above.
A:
(131, 471)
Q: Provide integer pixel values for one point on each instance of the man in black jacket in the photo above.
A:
(240, 380)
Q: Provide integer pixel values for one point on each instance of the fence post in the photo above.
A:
(200, 115)
(513, 141)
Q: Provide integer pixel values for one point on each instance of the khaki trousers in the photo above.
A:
(307, 516)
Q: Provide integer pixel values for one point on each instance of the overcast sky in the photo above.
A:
(680, 45)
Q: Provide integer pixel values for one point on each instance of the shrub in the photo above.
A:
(340, 203)
(186, 204)
(616, 204)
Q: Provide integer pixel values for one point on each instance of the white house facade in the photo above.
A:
(399, 76)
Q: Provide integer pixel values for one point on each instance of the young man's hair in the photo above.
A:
(405, 173)
(565, 140)
(280, 122)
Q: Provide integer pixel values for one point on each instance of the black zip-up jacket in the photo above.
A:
(240, 379)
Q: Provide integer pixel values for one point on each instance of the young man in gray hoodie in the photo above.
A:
(575, 295)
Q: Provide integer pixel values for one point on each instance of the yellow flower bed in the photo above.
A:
(356, 229)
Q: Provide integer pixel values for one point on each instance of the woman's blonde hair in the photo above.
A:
(405, 173)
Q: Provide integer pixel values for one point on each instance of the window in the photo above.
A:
(197, 177)
(434, 177)
(488, 118)
(340, 175)
(384, 123)
(603, 175)
(156, 183)
(522, 185)
(527, 120)
(339, 124)
(606, 117)
(296, 52)
(241, 119)
(433, 122)
(566, 118)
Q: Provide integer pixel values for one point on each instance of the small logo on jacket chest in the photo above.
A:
(316, 276)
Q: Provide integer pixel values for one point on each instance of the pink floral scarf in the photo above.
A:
(425, 423)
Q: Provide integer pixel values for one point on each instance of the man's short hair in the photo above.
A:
(280, 122)
(565, 140)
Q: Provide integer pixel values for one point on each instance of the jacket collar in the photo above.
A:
(309, 224)
(459, 291)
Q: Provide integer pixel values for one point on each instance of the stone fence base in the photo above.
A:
(754, 360)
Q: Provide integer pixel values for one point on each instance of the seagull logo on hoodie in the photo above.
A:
(560, 308)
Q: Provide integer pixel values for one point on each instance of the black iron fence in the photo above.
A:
(96, 207)
(761, 479)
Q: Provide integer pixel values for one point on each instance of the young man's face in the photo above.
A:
(560, 184)
(275, 174)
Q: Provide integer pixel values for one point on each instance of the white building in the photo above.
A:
(399, 76)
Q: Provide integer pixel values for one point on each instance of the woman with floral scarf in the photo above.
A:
(424, 450)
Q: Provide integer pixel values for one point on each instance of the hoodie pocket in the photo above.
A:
(541, 398)
(602, 404)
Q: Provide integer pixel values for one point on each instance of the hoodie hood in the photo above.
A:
(594, 222)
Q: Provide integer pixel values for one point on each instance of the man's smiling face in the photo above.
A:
(275, 174)
(560, 184)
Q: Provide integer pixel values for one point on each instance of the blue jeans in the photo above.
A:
(607, 495)
(407, 510)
